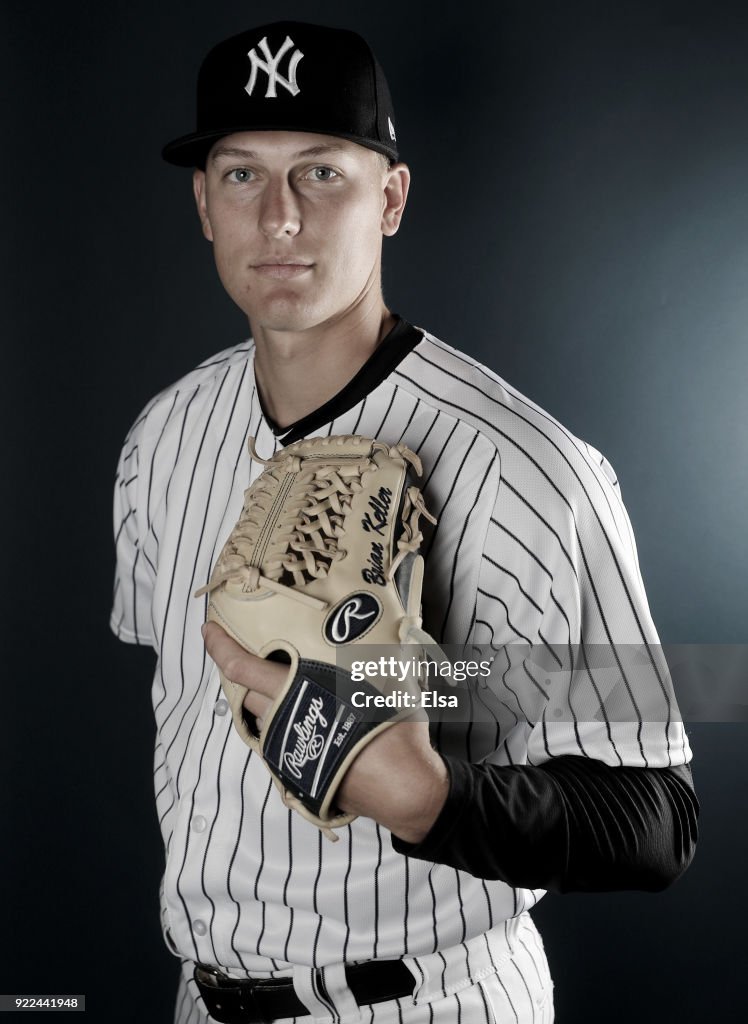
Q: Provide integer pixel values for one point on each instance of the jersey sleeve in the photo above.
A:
(577, 668)
(134, 577)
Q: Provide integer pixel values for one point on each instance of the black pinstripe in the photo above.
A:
(234, 852)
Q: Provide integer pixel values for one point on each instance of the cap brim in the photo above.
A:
(192, 150)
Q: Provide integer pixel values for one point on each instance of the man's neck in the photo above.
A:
(298, 372)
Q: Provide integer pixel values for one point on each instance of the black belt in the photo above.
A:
(248, 1001)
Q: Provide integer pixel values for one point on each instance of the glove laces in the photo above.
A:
(294, 518)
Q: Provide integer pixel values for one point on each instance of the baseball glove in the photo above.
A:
(324, 558)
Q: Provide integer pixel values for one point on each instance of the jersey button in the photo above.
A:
(199, 823)
(199, 927)
(221, 707)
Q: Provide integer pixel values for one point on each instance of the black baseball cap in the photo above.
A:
(290, 76)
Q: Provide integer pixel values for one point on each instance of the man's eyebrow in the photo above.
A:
(320, 150)
(250, 154)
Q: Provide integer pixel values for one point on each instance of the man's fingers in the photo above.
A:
(257, 705)
(239, 665)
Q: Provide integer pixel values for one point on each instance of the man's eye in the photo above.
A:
(322, 174)
(241, 175)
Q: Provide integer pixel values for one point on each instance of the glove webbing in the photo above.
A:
(316, 526)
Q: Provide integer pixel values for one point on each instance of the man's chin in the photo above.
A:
(285, 318)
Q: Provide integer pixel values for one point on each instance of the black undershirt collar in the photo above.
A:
(391, 350)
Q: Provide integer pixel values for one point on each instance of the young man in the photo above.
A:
(419, 913)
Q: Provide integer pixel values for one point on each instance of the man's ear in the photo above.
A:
(396, 185)
(198, 187)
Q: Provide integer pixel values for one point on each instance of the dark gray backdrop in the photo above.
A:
(578, 221)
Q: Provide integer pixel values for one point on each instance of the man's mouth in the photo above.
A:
(282, 266)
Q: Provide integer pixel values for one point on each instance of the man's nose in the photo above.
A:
(280, 214)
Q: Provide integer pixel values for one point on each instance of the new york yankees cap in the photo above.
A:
(290, 76)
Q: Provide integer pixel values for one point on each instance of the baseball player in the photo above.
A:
(574, 776)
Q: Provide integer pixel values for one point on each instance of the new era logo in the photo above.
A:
(270, 66)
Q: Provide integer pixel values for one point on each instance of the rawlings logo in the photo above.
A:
(352, 618)
(270, 67)
(309, 743)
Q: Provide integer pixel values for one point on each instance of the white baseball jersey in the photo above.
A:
(533, 545)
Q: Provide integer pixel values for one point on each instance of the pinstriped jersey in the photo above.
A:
(533, 552)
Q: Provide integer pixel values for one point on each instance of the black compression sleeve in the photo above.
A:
(572, 824)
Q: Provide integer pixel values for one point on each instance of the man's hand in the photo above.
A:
(398, 779)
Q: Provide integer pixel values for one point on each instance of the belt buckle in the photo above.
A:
(231, 1003)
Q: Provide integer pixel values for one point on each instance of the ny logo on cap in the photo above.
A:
(270, 67)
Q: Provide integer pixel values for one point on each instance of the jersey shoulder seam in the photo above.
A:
(509, 399)
(202, 374)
